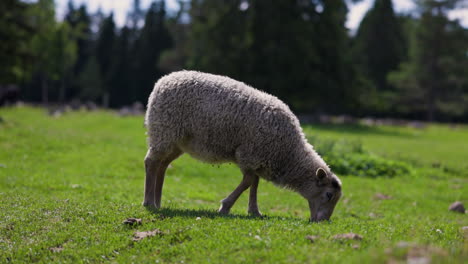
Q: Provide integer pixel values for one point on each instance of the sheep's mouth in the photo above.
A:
(319, 217)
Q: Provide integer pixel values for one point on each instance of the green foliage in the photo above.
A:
(120, 92)
(15, 34)
(379, 51)
(105, 54)
(153, 40)
(376, 52)
(90, 80)
(367, 166)
(434, 79)
(350, 158)
(54, 49)
(67, 184)
(299, 51)
(282, 55)
(80, 22)
(43, 16)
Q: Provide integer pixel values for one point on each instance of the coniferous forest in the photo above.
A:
(412, 65)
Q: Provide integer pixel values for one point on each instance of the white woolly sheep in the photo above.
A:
(217, 119)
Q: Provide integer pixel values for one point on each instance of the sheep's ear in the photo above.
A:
(321, 174)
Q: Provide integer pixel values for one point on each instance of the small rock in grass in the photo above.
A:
(348, 236)
(403, 244)
(132, 221)
(312, 238)
(381, 196)
(355, 246)
(465, 232)
(198, 218)
(373, 215)
(56, 249)
(140, 235)
(418, 260)
(457, 207)
(257, 237)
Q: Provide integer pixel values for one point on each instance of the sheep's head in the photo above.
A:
(322, 193)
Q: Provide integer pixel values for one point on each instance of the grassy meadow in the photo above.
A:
(67, 183)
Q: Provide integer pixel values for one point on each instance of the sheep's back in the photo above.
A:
(211, 116)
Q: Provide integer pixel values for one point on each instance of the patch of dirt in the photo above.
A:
(132, 221)
(414, 254)
(348, 236)
(374, 215)
(140, 235)
(457, 207)
(56, 249)
(381, 196)
(312, 239)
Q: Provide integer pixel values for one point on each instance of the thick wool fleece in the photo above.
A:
(217, 119)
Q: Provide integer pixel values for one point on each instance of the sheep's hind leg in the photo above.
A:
(156, 163)
(253, 206)
(229, 201)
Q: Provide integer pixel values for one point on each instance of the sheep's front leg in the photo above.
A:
(151, 167)
(156, 163)
(253, 206)
(229, 201)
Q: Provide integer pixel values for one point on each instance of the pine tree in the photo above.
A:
(379, 43)
(104, 54)
(435, 78)
(296, 50)
(43, 15)
(15, 33)
(90, 81)
(135, 16)
(216, 38)
(63, 57)
(154, 38)
(335, 84)
(80, 22)
(121, 92)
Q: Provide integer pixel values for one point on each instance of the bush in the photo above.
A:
(350, 158)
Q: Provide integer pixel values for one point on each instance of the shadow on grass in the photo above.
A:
(212, 214)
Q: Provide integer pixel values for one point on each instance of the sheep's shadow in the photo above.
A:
(212, 214)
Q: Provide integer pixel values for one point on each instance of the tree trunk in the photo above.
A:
(105, 100)
(430, 110)
(431, 96)
(62, 91)
(45, 91)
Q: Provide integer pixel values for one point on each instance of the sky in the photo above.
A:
(355, 15)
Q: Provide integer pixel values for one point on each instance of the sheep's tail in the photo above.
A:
(148, 110)
(150, 106)
(146, 121)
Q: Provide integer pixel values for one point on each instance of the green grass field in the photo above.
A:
(67, 183)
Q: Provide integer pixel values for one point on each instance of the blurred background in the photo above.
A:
(382, 58)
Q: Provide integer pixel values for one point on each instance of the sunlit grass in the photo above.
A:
(67, 183)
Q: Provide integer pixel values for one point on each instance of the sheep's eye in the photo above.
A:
(329, 195)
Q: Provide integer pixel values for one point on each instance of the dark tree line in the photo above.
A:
(413, 66)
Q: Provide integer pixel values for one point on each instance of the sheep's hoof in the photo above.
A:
(255, 213)
(224, 210)
(151, 206)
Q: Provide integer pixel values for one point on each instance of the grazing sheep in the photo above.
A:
(217, 119)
